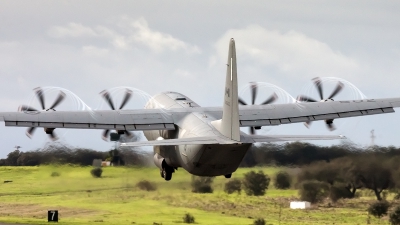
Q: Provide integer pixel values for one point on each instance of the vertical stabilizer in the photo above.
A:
(229, 124)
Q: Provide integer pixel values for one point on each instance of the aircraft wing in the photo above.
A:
(166, 119)
(141, 119)
(278, 138)
(269, 115)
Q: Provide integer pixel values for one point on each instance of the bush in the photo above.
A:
(259, 221)
(397, 196)
(55, 174)
(232, 186)
(202, 184)
(379, 208)
(394, 217)
(188, 218)
(282, 180)
(255, 183)
(339, 191)
(313, 191)
(146, 185)
(96, 172)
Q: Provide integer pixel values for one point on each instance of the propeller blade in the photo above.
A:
(39, 94)
(53, 136)
(128, 95)
(242, 102)
(128, 133)
(254, 88)
(26, 108)
(30, 131)
(303, 98)
(252, 130)
(331, 127)
(318, 84)
(338, 88)
(105, 135)
(271, 99)
(307, 124)
(329, 124)
(59, 99)
(107, 97)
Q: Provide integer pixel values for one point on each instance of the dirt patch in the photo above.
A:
(39, 211)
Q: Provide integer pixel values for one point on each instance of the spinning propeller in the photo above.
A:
(318, 84)
(39, 93)
(107, 97)
(254, 90)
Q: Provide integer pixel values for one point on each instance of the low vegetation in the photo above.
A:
(394, 217)
(202, 184)
(282, 180)
(96, 172)
(55, 174)
(146, 185)
(232, 186)
(259, 221)
(256, 183)
(188, 218)
(379, 208)
(313, 191)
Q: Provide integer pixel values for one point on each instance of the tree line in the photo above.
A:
(61, 154)
(302, 153)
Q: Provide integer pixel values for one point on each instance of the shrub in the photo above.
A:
(394, 217)
(397, 196)
(313, 191)
(202, 184)
(259, 221)
(339, 191)
(255, 183)
(282, 180)
(146, 185)
(232, 186)
(379, 208)
(188, 218)
(96, 172)
(55, 174)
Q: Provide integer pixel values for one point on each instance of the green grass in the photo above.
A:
(114, 199)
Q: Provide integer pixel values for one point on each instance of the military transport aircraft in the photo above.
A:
(205, 141)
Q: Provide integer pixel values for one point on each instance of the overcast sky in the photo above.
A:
(155, 46)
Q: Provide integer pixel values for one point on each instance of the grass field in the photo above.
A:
(115, 199)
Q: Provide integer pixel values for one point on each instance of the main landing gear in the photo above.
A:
(228, 175)
(166, 172)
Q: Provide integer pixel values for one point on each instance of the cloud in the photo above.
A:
(94, 51)
(132, 33)
(72, 30)
(292, 53)
(158, 41)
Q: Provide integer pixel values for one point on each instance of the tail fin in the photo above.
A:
(229, 124)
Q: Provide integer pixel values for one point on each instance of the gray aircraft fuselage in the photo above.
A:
(201, 160)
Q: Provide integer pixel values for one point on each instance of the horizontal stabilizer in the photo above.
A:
(181, 141)
(278, 138)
